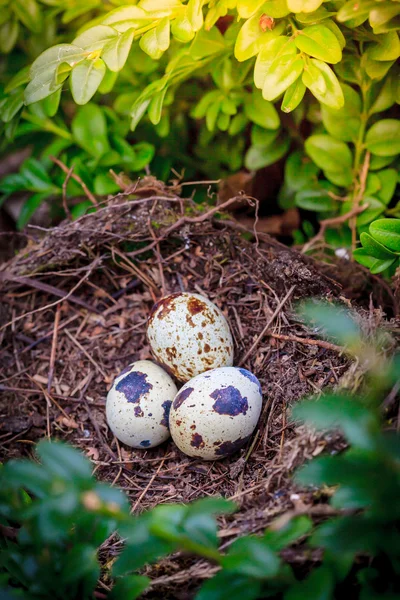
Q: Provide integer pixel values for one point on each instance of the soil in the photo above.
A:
(75, 305)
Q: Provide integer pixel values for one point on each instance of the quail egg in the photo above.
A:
(138, 405)
(188, 335)
(215, 413)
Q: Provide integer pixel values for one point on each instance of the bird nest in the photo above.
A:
(75, 305)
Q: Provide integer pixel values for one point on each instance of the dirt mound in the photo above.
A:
(74, 312)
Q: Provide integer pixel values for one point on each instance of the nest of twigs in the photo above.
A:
(74, 312)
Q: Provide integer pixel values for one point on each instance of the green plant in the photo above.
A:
(381, 246)
(224, 63)
(52, 532)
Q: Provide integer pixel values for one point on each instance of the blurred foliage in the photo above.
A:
(54, 516)
(215, 86)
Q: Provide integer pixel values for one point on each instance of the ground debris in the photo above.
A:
(82, 319)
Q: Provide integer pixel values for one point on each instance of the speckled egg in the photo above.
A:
(188, 335)
(215, 413)
(138, 405)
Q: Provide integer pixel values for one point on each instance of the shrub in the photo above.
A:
(55, 515)
(329, 67)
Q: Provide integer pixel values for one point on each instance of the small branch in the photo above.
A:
(333, 222)
(69, 173)
(306, 341)
(264, 331)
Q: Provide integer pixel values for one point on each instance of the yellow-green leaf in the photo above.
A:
(386, 48)
(280, 46)
(293, 96)
(85, 79)
(252, 38)
(95, 38)
(116, 51)
(306, 6)
(156, 41)
(333, 94)
(281, 75)
(318, 41)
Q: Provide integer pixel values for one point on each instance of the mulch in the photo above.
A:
(75, 302)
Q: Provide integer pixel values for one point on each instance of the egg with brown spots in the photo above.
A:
(215, 413)
(138, 405)
(188, 335)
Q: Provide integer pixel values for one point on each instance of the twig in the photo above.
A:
(146, 489)
(306, 341)
(83, 185)
(51, 289)
(32, 312)
(358, 197)
(53, 348)
(333, 222)
(264, 331)
(86, 353)
(64, 194)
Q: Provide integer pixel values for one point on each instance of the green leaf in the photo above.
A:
(89, 129)
(290, 532)
(261, 112)
(11, 105)
(207, 43)
(344, 124)
(251, 556)
(64, 461)
(156, 41)
(318, 585)
(21, 78)
(337, 322)
(329, 93)
(383, 138)
(95, 38)
(104, 185)
(387, 95)
(116, 51)
(212, 505)
(146, 549)
(8, 35)
(353, 13)
(126, 17)
(299, 171)
(319, 41)
(293, 96)
(27, 474)
(85, 80)
(339, 411)
(29, 208)
(29, 13)
(280, 47)
(36, 176)
(305, 6)
(316, 199)
(376, 265)
(44, 68)
(388, 183)
(385, 17)
(144, 154)
(375, 248)
(258, 157)
(375, 208)
(227, 585)
(328, 153)
(252, 38)
(387, 232)
(386, 48)
(263, 137)
(129, 587)
(282, 74)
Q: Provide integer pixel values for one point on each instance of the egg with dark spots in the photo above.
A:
(138, 405)
(188, 335)
(222, 406)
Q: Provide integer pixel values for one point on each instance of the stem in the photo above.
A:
(47, 125)
(359, 186)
